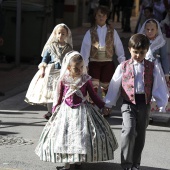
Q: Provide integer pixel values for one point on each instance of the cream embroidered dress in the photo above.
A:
(41, 90)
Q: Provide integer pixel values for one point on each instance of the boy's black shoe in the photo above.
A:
(77, 166)
(135, 168)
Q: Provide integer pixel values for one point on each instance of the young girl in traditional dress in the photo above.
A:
(157, 51)
(41, 88)
(76, 131)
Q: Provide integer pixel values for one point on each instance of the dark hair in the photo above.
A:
(149, 8)
(76, 59)
(104, 10)
(139, 41)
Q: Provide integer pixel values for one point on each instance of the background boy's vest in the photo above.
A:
(95, 43)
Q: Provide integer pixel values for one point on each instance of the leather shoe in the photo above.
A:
(47, 115)
(77, 166)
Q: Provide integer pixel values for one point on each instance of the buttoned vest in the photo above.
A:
(128, 89)
(95, 42)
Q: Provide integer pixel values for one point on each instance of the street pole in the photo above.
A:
(18, 32)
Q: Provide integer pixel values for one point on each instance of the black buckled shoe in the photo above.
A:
(47, 115)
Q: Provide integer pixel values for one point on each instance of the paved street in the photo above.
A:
(21, 124)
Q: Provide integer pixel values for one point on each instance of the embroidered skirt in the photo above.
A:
(76, 135)
(40, 90)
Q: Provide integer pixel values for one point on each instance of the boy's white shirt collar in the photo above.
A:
(135, 62)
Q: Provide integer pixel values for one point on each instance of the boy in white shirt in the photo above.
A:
(137, 80)
(100, 43)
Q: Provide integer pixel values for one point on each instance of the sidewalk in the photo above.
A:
(15, 80)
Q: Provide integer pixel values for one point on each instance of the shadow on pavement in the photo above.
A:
(114, 120)
(160, 123)
(14, 124)
(35, 108)
(5, 133)
(151, 168)
(157, 130)
(110, 166)
(17, 113)
(100, 166)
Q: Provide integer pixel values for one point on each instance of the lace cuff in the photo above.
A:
(43, 64)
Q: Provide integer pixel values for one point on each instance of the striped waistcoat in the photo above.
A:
(95, 42)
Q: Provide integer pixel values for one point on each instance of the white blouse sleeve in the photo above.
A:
(119, 50)
(114, 88)
(85, 47)
(159, 91)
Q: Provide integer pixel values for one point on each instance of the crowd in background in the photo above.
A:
(120, 11)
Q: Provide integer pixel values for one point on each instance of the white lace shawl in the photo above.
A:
(75, 85)
(53, 38)
(157, 43)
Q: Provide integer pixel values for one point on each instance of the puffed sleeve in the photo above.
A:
(45, 60)
(113, 92)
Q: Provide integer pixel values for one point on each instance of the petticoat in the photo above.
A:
(41, 90)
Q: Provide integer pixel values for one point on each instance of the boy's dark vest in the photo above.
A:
(128, 89)
(95, 42)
